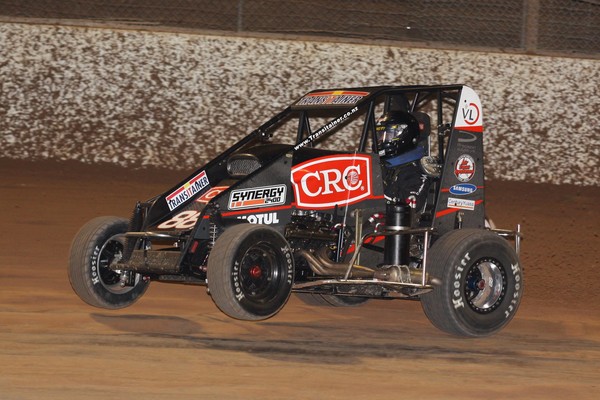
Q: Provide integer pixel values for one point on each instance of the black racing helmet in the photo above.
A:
(397, 132)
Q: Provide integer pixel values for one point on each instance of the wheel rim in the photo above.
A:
(485, 285)
(259, 273)
(110, 279)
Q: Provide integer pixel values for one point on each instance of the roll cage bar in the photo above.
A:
(416, 98)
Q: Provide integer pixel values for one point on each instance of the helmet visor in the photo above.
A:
(387, 133)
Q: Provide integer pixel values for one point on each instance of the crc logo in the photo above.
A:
(332, 180)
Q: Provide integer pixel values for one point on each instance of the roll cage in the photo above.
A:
(437, 101)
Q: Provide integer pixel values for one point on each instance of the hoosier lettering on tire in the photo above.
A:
(250, 272)
(481, 283)
(94, 248)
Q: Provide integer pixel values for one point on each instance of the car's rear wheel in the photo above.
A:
(481, 283)
(250, 272)
(94, 248)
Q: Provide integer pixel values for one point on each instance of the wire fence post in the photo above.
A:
(530, 26)
(240, 16)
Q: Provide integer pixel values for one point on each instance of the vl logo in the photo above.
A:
(470, 113)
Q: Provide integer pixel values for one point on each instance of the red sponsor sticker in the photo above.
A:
(464, 169)
(332, 180)
(212, 193)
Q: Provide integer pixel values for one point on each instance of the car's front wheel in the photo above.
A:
(250, 272)
(94, 248)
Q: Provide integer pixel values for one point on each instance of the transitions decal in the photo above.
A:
(187, 190)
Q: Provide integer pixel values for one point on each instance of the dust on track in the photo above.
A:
(174, 343)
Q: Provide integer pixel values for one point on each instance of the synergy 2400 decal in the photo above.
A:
(265, 196)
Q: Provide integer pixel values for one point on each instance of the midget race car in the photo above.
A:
(347, 195)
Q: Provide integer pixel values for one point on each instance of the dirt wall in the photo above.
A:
(175, 100)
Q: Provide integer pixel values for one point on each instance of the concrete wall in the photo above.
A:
(146, 98)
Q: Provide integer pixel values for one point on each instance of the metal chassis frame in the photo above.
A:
(422, 286)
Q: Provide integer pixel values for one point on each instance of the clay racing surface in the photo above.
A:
(175, 344)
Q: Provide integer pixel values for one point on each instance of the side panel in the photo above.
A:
(265, 197)
(173, 209)
(461, 193)
(306, 179)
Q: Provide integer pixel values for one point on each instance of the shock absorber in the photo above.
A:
(397, 247)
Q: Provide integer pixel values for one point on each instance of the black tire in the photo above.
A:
(319, 299)
(250, 272)
(481, 283)
(93, 249)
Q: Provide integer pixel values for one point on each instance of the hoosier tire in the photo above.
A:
(93, 249)
(250, 272)
(481, 283)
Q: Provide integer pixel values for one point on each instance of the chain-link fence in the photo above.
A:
(534, 26)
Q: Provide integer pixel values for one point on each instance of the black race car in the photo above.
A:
(346, 195)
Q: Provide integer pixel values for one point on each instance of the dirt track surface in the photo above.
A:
(175, 344)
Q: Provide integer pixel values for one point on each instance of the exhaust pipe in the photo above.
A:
(321, 265)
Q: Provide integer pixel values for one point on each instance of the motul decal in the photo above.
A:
(464, 169)
(265, 219)
(187, 190)
(332, 180)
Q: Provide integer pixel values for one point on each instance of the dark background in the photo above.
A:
(563, 27)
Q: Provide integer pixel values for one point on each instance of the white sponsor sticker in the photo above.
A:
(462, 204)
(187, 190)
